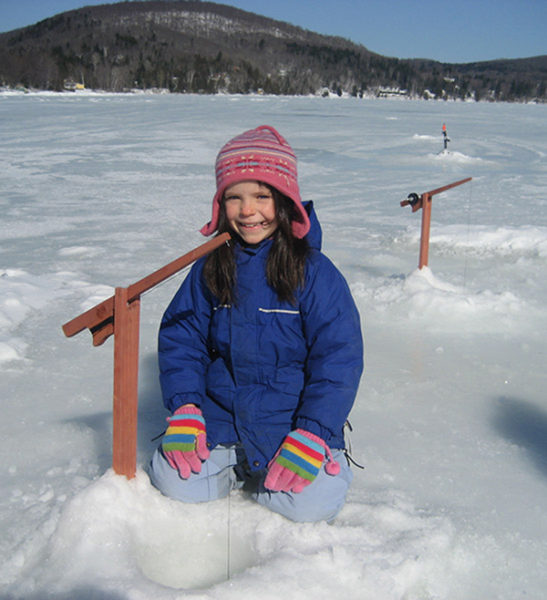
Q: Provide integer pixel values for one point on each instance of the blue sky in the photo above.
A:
(450, 31)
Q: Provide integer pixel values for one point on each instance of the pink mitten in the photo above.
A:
(184, 444)
(298, 461)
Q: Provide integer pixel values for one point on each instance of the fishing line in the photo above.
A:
(467, 251)
(228, 540)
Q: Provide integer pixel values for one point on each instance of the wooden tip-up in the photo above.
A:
(424, 202)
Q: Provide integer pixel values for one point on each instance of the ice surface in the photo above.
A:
(98, 190)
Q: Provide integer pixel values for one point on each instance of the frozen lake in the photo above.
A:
(98, 190)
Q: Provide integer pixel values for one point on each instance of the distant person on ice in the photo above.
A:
(260, 350)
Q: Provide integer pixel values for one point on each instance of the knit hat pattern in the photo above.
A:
(260, 154)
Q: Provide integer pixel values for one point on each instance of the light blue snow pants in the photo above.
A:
(224, 471)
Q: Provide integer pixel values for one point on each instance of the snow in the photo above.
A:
(98, 190)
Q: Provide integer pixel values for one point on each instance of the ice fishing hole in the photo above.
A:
(194, 555)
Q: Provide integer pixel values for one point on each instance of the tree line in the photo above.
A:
(202, 47)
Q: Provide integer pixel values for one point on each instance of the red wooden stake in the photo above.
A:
(126, 374)
(426, 226)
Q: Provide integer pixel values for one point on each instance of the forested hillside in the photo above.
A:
(203, 47)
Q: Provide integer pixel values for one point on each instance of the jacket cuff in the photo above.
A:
(315, 428)
(179, 400)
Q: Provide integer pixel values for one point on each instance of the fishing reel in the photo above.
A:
(413, 199)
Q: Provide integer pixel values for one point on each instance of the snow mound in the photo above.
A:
(71, 251)
(424, 298)
(504, 241)
(455, 157)
(123, 537)
(21, 294)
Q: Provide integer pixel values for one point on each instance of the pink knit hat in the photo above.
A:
(260, 154)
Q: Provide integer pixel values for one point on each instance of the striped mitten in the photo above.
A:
(184, 444)
(298, 461)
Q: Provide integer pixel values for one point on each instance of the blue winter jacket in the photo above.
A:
(261, 368)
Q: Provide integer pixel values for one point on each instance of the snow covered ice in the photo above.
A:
(98, 190)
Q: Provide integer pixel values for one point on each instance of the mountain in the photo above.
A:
(192, 46)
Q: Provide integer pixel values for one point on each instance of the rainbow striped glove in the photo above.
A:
(298, 461)
(184, 444)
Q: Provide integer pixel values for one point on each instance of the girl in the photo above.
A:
(260, 350)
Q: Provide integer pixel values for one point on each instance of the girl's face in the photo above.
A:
(250, 210)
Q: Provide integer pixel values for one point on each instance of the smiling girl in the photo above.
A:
(260, 350)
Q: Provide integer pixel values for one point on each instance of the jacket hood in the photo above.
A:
(314, 235)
